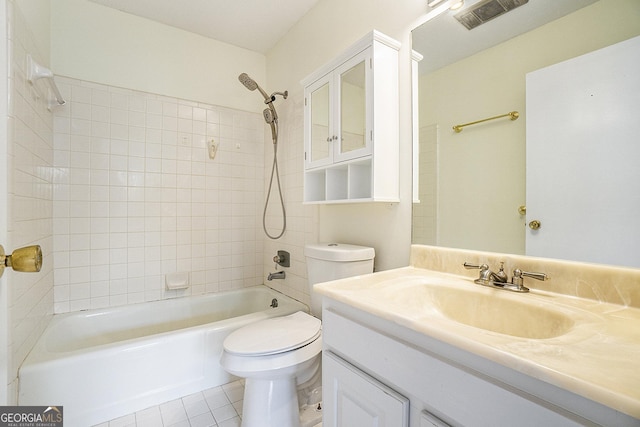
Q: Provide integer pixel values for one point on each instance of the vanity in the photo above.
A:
(426, 346)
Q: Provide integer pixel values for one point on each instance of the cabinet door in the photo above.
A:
(320, 134)
(429, 420)
(353, 129)
(353, 398)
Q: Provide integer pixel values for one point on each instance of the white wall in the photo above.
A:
(95, 43)
(328, 29)
(37, 16)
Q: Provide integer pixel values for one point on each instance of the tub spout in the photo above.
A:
(276, 275)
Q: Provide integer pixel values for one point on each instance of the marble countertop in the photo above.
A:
(598, 357)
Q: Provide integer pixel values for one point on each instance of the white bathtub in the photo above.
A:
(102, 364)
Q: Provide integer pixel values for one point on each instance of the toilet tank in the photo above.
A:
(333, 261)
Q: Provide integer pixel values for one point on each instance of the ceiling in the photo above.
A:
(443, 40)
(256, 25)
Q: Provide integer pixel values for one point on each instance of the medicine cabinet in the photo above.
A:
(351, 125)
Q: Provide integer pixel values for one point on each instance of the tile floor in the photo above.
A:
(215, 407)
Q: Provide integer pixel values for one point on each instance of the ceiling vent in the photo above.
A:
(485, 11)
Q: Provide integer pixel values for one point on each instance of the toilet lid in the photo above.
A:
(274, 335)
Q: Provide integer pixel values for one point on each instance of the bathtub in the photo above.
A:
(102, 364)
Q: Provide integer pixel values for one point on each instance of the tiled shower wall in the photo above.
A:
(136, 196)
(302, 220)
(30, 199)
(425, 213)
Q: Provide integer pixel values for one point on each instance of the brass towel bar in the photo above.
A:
(513, 115)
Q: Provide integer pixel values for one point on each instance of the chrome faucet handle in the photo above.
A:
(480, 267)
(486, 275)
(518, 278)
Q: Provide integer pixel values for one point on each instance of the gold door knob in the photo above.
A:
(535, 224)
(27, 259)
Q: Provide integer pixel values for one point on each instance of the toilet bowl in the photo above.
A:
(281, 356)
(275, 356)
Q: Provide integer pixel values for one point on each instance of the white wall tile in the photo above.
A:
(141, 198)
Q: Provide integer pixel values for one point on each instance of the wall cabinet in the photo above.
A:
(351, 128)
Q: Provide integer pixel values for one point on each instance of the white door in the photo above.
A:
(583, 157)
(353, 398)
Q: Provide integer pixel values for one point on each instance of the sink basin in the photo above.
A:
(495, 313)
(494, 310)
(503, 312)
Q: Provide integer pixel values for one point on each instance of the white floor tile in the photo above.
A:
(173, 413)
(224, 413)
(216, 397)
(149, 417)
(215, 407)
(234, 391)
(126, 421)
(195, 405)
(233, 422)
(203, 420)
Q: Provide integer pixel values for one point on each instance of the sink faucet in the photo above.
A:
(486, 275)
(276, 275)
(500, 279)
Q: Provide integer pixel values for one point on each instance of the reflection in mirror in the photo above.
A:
(352, 108)
(320, 123)
(471, 184)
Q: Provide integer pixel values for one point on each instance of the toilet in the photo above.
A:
(280, 357)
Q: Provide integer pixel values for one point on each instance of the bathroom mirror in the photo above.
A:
(352, 119)
(472, 189)
(352, 108)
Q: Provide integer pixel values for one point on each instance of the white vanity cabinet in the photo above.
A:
(353, 398)
(444, 385)
(351, 130)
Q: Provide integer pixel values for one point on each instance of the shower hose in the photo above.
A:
(274, 171)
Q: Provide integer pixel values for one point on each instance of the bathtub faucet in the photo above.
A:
(276, 275)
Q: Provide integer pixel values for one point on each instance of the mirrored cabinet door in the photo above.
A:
(353, 110)
(321, 139)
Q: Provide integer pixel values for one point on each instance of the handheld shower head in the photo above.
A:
(251, 84)
(248, 82)
(270, 115)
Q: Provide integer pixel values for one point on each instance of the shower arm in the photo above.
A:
(284, 94)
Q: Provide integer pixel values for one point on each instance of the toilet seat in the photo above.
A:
(274, 336)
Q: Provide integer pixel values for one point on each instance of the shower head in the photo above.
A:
(269, 114)
(251, 84)
(247, 81)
